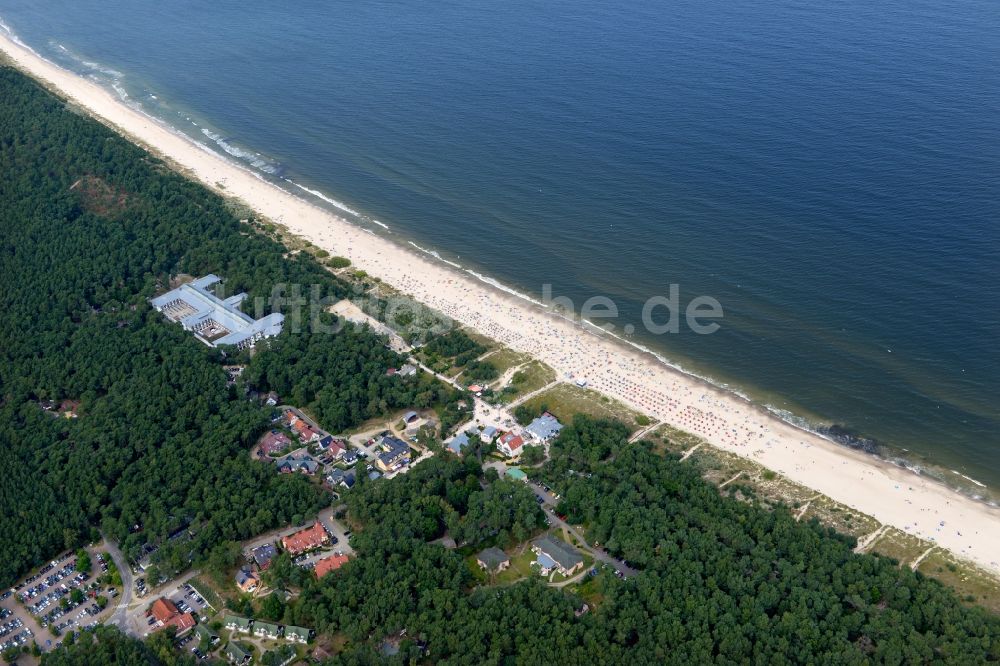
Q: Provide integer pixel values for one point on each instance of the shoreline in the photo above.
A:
(271, 169)
(639, 378)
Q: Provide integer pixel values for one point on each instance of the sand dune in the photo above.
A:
(892, 495)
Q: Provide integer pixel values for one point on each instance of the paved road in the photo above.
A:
(335, 528)
(528, 396)
(303, 417)
(598, 554)
(120, 616)
(325, 517)
(446, 380)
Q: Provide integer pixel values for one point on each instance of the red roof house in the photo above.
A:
(305, 431)
(273, 442)
(163, 609)
(510, 444)
(167, 615)
(182, 621)
(307, 539)
(328, 564)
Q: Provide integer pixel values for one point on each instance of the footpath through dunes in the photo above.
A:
(894, 496)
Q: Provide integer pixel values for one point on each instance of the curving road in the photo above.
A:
(598, 554)
(119, 617)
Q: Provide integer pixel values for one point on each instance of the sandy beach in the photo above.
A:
(892, 495)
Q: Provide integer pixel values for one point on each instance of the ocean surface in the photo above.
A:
(829, 172)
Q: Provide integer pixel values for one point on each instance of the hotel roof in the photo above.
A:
(197, 308)
(182, 622)
(163, 609)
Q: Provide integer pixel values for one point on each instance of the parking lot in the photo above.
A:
(13, 630)
(184, 595)
(52, 601)
(188, 599)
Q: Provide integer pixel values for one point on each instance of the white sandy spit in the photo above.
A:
(892, 495)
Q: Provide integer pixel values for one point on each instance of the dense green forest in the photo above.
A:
(107, 645)
(93, 226)
(340, 387)
(722, 580)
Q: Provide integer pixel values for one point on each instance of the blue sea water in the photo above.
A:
(829, 172)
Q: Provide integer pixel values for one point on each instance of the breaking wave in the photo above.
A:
(339, 204)
(255, 159)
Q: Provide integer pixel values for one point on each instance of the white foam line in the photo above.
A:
(969, 478)
(333, 202)
(17, 40)
(435, 255)
(239, 153)
(502, 287)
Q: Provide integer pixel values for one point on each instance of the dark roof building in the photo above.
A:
(544, 428)
(339, 477)
(262, 555)
(302, 463)
(395, 453)
(566, 558)
(493, 559)
(237, 653)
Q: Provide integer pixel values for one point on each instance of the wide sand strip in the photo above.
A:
(892, 495)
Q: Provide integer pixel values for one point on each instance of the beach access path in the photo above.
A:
(892, 495)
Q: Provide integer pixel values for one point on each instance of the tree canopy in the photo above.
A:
(92, 227)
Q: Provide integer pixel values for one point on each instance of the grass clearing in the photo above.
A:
(209, 590)
(520, 567)
(669, 438)
(528, 379)
(972, 584)
(588, 590)
(840, 517)
(565, 400)
(900, 546)
(504, 359)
